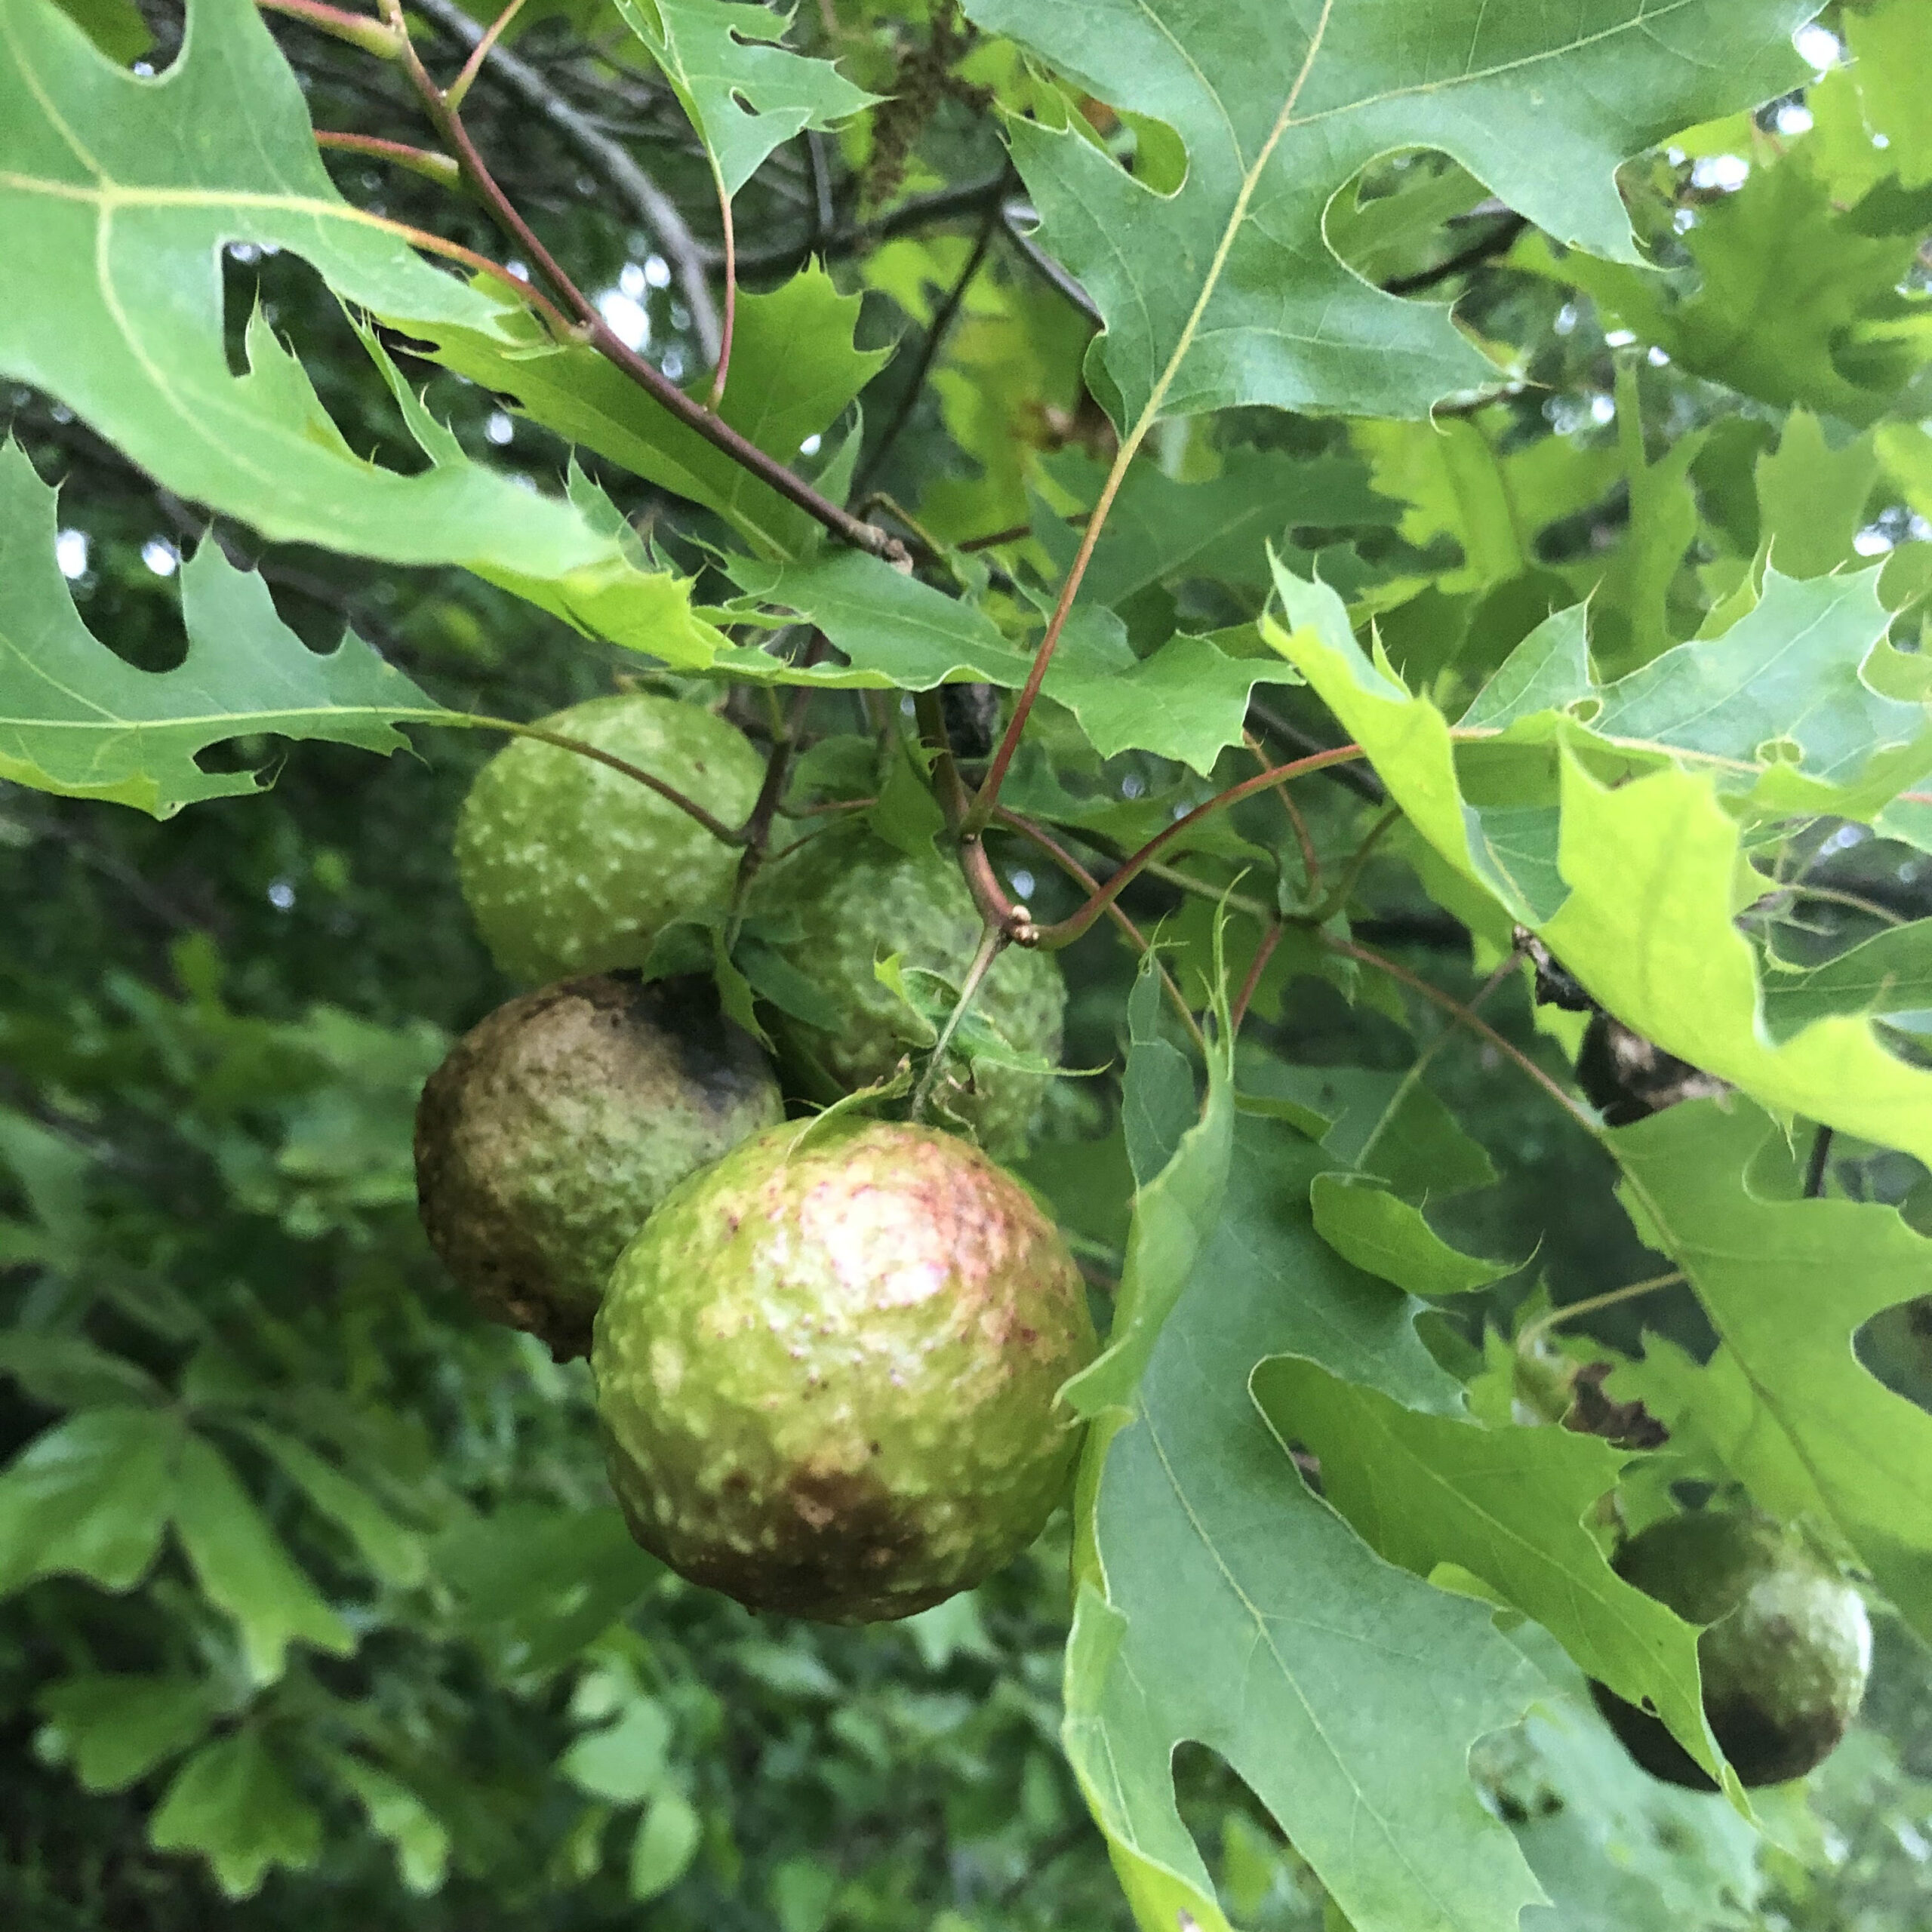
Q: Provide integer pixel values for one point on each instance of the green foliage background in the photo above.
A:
(315, 1605)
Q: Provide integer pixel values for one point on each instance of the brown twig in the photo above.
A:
(517, 285)
(654, 209)
(1043, 658)
(648, 377)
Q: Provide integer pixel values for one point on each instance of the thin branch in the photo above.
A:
(1043, 658)
(440, 168)
(647, 375)
(936, 334)
(1357, 778)
(1486, 247)
(517, 285)
(1819, 1165)
(1458, 1011)
(653, 208)
(1049, 271)
(915, 211)
(1591, 1303)
(948, 787)
(1064, 932)
(1311, 860)
(459, 89)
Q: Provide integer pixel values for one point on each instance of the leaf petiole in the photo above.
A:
(374, 37)
(1591, 1303)
(993, 941)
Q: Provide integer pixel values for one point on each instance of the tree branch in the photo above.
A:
(1357, 777)
(915, 211)
(647, 375)
(1049, 270)
(1485, 248)
(935, 337)
(652, 208)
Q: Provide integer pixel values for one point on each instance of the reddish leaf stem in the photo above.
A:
(1271, 938)
(384, 40)
(441, 168)
(454, 251)
(459, 89)
(1081, 877)
(1023, 707)
(723, 371)
(1064, 932)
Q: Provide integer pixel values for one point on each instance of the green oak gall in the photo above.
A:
(826, 1371)
(556, 1125)
(1784, 1657)
(570, 866)
(845, 900)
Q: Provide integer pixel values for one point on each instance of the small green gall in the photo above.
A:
(845, 900)
(569, 866)
(1783, 1659)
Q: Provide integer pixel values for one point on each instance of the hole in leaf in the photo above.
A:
(1780, 751)
(1896, 1346)
(1407, 214)
(1258, 1876)
(1585, 710)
